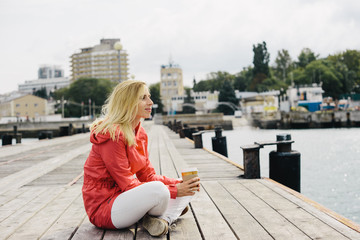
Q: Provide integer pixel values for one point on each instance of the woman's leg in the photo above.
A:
(175, 208)
(130, 206)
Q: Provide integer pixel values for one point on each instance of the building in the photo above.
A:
(25, 107)
(49, 77)
(102, 61)
(171, 85)
(46, 72)
(204, 102)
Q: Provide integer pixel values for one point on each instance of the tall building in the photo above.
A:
(171, 85)
(101, 61)
(47, 71)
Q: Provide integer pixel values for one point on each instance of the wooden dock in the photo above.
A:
(40, 196)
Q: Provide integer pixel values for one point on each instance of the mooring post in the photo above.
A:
(284, 163)
(219, 142)
(17, 135)
(251, 161)
(198, 139)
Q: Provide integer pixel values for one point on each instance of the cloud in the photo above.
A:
(201, 36)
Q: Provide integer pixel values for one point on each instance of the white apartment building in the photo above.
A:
(205, 102)
(102, 61)
(171, 84)
(49, 77)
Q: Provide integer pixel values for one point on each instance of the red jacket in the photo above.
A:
(109, 171)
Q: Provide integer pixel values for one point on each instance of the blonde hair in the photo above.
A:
(119, 111)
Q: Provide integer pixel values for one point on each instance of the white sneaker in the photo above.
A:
(155, 226)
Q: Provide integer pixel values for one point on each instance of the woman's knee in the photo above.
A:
(160, 190)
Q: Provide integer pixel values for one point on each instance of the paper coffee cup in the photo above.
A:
(189, 173)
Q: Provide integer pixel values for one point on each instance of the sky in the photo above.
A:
(202, 36)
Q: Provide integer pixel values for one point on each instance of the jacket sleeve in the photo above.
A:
(116, 161)
(147, 174)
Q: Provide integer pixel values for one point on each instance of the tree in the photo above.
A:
(243, 79)
(188, 99)
(261, 65)
(322, 71)
(41, 93)
(306, 56)
(214, 81)
(227, 94)
(80, 92)
(283, 65)
(155, 96)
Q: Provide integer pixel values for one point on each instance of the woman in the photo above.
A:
(113, 196)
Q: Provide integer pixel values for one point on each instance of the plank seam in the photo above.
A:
(323, 209)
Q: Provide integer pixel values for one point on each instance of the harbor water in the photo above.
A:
(330, 162)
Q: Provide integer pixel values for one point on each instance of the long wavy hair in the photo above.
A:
(119, 111)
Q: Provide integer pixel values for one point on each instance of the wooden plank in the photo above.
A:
(88, 231)
(25, 213)
(29, 174)
(211, 222)
(186, 228)
(120, 234)
(324, 217)
(166, 164)
(21, 200)
(68, 222)
(42, 220)
(274, 223)
(240, 220)
(307, 222)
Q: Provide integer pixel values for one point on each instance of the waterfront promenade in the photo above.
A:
(40, 196)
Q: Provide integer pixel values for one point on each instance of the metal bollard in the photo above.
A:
(219, 142)
(198, 139)
(284, 163)
(182, 133)
(17, 135)
(251, 161)
(6, 139)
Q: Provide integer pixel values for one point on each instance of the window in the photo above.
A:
(169, 84)
(175, 83)
(17, 105)
(25, 104)
(35, 104)
(203, 97)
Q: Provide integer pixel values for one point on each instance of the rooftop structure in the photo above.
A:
(106, 60)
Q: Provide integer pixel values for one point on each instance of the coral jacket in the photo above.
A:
(109, 171)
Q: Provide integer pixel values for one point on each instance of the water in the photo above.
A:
(330, 162)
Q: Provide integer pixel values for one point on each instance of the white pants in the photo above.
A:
(152, 198)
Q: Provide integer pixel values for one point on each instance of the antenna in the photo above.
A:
(171, 62)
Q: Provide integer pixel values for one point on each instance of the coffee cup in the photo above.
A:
(189, 173)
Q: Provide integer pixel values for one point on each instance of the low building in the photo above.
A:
(24, 107)
(204, 102)
(50, 84)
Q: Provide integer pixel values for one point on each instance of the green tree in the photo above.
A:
(322, 71)
(306, 56)
(41, 93)
(188, 99)
(214, 81)
(227, 94)
(155, 97)
(80, 92)
(283, 65)
(243, 79)
(261, 65)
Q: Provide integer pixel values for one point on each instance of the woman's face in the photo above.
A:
(144, 105)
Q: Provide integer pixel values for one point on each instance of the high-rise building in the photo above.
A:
(101, 61)
(171, 85)
(47, 71)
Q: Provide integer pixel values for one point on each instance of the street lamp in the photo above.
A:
(118, 46)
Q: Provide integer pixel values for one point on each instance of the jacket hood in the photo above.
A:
(99, 138)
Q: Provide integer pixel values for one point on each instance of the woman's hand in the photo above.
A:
(188, 187)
